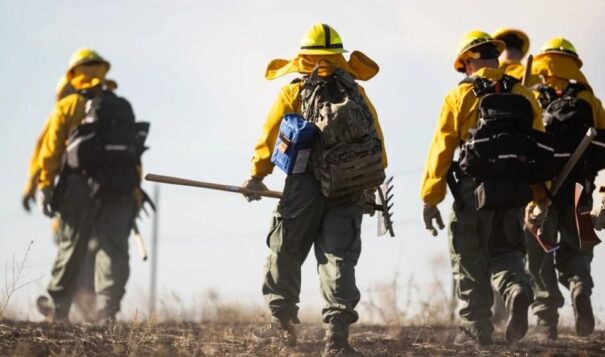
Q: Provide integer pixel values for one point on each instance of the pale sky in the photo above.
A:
(195, 70)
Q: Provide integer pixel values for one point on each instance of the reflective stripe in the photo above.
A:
(545, 147)
(475, 141)
(564, 154)
(598, 143)
(79, 140)
(507, 156)
(116, 147)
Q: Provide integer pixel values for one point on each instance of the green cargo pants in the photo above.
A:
(84, 296)
(571, 262)
(93, 233)
(485, 247)
(304, 217)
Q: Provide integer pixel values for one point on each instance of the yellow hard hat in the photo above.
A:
(85, 55)
(561, 46)
(321, 39)
(471, 40)
(503, 32)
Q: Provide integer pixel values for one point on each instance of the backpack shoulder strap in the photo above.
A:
(481, 86)
(546, 94)
(471, 79)
(573, 89)
(507, 83)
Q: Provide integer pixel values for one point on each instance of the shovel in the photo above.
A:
(586, 234)
(558, 182)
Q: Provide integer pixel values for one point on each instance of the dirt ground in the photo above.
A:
(233, 339)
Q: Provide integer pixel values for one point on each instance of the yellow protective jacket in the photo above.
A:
(458, 115)
(557, 71)
(288, 100)
(68, 114)
(64, 88)
(513, 69)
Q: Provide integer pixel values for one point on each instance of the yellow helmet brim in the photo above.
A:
(561, 53)
(322, 51)
(459, 62)
(87, 60)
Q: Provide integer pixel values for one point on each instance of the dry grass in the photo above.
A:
(401, 317)
(233, 339)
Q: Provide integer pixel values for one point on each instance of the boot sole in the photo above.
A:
(516, 327)
(584, 315)
(43, 305)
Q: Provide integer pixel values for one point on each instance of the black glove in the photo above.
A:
(369, 197)
(430, 213)
(255, 184)
(45, 196)
(27, 199)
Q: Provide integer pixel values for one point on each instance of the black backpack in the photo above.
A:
(567, 118)
(503, 153)
(107, 146)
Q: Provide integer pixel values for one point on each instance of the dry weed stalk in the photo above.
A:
(383, 304)
(13, 284)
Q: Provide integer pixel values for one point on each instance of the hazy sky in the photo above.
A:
(195, 70)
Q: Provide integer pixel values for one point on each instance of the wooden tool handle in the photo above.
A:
(212, 186)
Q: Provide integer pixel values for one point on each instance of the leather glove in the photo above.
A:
(430, 213)
(256, 184)
(369, 198)
(45, 196)
(535, 215)
(27, 199)
(598, 217)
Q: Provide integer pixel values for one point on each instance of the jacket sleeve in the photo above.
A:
(599, 114)
(441, 154)
(67, 114)
(385, 162)
(33, 173)
(539, 193)
(597, 108)
(287, 102)
(537, 123)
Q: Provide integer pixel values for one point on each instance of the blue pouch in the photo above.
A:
(294, 142)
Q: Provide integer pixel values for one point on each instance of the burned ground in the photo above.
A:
(233, 339)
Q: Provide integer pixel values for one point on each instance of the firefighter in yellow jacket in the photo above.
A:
(84, 297)
(304, 216)
(517, 46)
(555, 74)
(486, 246)
(92, 231)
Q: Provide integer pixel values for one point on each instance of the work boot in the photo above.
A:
(276, 332)
(547, 332)
(546, 325)
(465, 338)
(337, 341)
(516, 326)
(582, 309)
(47, 309)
